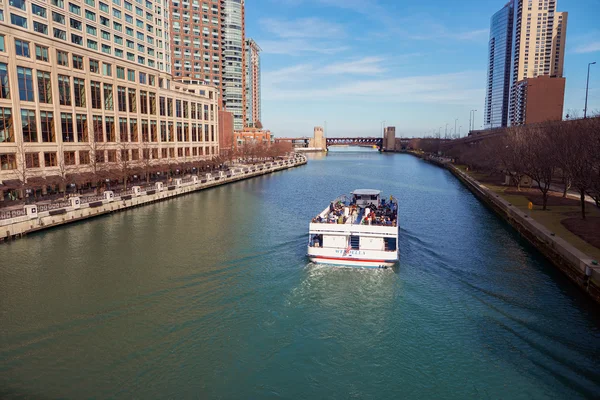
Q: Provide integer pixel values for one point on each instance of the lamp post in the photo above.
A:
(587, 86)
(455, 122)
(472, 120)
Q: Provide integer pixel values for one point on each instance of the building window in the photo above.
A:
(170, 107)
(25, 78)
(131, 75)
(47, 124)
(94, 66)
(40, 28)
(82, 128)
(91, 30)
(8, 162)
(41, 53)
(37, 10)
(145, 137)
(108, 97)
(98, 128)
(106, 48)
(186, 110)
(84, 157)
(90, 15)
(69, 157)
(62, 58)
(66, 124)
(6, 125)
(124, 137)
(142, 78)
(17, 20)
(112, 156)
(120, 72)
(178, 108)
(96, 95)
(64, 90)
(2, 44)
(92, 44)
(44, 87)
(60, 34)
(4, 87)
(106, 69)
(74, 9)
(132, 102)
(22, 48)
(76, 39)
(133, 130)
(153, 103)
(143, 102)
(110, 129)
(104, 7)
(50, 159)
(79, 90)
(32, 160)
(162, 106)
(29, 126)
(20, 4)
(77, 62)
(121, 98)
(75, 24)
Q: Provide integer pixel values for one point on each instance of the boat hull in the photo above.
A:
(352, 262)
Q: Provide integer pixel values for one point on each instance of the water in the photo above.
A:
(210, 296)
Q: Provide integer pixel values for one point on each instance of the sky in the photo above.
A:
(352, 65)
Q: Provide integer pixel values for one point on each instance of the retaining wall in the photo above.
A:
(576, 265)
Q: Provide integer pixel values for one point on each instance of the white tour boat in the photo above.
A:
(361, 230)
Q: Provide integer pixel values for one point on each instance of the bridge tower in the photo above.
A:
(318, 140)
(389, 139)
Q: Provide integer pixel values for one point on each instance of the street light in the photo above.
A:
(455, 122)
(472, 121)
(587, 86)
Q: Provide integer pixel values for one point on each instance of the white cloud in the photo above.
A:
(588, 48)
(454, 88)
(295, 47)
(303, 28)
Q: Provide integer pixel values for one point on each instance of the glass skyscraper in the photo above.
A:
(499, 63)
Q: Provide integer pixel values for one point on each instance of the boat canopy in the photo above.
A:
(366, 192)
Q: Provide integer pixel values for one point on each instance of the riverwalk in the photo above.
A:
(580, 267)
(38, 216)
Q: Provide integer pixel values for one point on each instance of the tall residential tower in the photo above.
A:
(526, 56)
(252, 83)
(234, 77)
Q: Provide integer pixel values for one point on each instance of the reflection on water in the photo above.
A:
(211, 296)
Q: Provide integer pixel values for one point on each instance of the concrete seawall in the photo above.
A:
(573, 263)
(75, 211)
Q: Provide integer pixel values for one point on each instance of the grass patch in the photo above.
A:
(562, 216)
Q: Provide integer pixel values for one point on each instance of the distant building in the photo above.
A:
(225, 132)
(527, 41)
(253, 100)
(252, 136)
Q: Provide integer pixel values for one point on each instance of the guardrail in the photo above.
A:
(96, 200)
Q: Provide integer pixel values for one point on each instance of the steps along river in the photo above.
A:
(210, 296)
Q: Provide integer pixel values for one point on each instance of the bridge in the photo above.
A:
(356, 141)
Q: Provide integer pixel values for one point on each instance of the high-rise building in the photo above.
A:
(86, 84)
(252, 83)
(197, 41)
(234, 77)
(499, 62)
(527, 41)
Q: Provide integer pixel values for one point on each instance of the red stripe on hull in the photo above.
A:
(352, 259)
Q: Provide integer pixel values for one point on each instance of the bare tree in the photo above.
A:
(538, 158)
(509, 154)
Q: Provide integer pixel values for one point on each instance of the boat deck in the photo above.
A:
(344, 211)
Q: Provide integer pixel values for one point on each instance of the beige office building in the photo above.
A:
(86, 84)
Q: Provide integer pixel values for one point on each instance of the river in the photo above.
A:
(210, 295)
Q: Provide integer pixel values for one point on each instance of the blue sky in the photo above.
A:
(417, 65)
